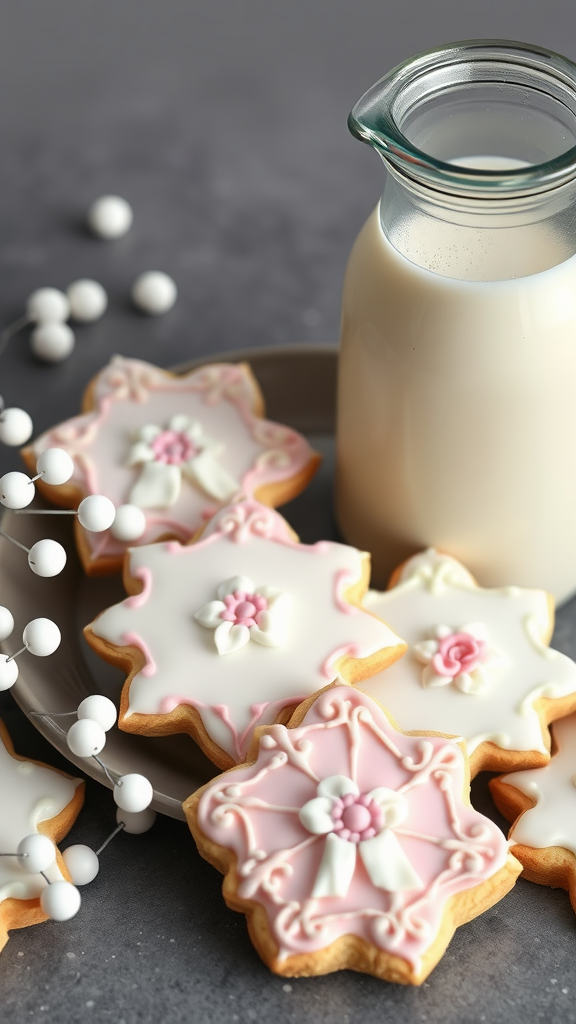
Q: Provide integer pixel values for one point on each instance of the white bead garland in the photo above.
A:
(129, 524)
(8, 672)
(96, 513)
(36, 853)
(133, 793)
(100, 709)
(42, 637)
(48, 305)
(88, 300)
(55, 465)
(47, 558)
(110, 217)
(52, 342)
(6, 622)
(60, 900)
(15, 427)
(82, 863)
(154, 292)
(86, 738)
(16, 490)
(135, 823)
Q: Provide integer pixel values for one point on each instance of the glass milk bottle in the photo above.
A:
(457, 374)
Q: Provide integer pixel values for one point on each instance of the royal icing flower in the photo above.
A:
(289, 612)
(363, 823)
(168, 454)
(342, 826)
(478, 662)
(244, 612)
(462, 657)
(177, 446)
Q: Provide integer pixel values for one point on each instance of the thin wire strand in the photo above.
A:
(13, 541)
(111, 837)
(104, 769)
(21, 651)
(13, 329)
(51, 714)
(45, 511)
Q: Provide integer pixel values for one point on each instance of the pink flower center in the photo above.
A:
(244, 609)
(173, 448)
(356, 817)
(458, 653)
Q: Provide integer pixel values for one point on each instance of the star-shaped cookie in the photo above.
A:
(33, 798)
(541, 803)
(226, 633)
(478, 663)
(178, 447)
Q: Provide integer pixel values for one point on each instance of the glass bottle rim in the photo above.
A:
(373, 119)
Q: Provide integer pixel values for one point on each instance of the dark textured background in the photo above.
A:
(224, 124)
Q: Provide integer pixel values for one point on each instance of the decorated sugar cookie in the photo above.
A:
(542, 804)
(177, 448)
(33, 799)
(350, 845)
(227, 633)
(478, 663)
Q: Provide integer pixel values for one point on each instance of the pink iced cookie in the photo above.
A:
(349, 844)
(178, 447)
(232, 631)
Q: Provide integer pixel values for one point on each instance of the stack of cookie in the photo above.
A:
(349, 721)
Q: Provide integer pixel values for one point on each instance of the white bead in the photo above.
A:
(15, 427)
(60, 901)
(100, 709)
(36, 853)
(82, 863)
(42, 637)
(96, 513)
(55, 465)
(16, 490)
(133, 793)
(8, 672)
(88, 300)
(6, 622)
(47, 305)
(136, 823)
(52, 342)
(154, 292)
(129, 524)
(110, 217)
(86, 738)
(47, 557)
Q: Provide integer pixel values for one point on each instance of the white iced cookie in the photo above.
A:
(227, 633)
(176, 447)
(478, 663)
(542, 804)
(33, 799)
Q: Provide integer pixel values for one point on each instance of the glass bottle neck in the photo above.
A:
(478, 239)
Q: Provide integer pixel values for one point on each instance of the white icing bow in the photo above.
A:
(167, 453)
(463, 657)
(243, 613)
(363, 823)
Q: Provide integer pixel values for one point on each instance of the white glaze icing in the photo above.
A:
(29, 795)
(552, 821)
(433, 590)
(130, 396)
(252, 685)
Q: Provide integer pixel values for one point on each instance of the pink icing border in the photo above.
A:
(252, 813)
(137, 600)
(285, 452)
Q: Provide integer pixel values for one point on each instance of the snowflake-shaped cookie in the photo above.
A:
(229, 631)
(179, 447)
(33, 798)
(477, 665)
(542, 804)
(349, 844)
